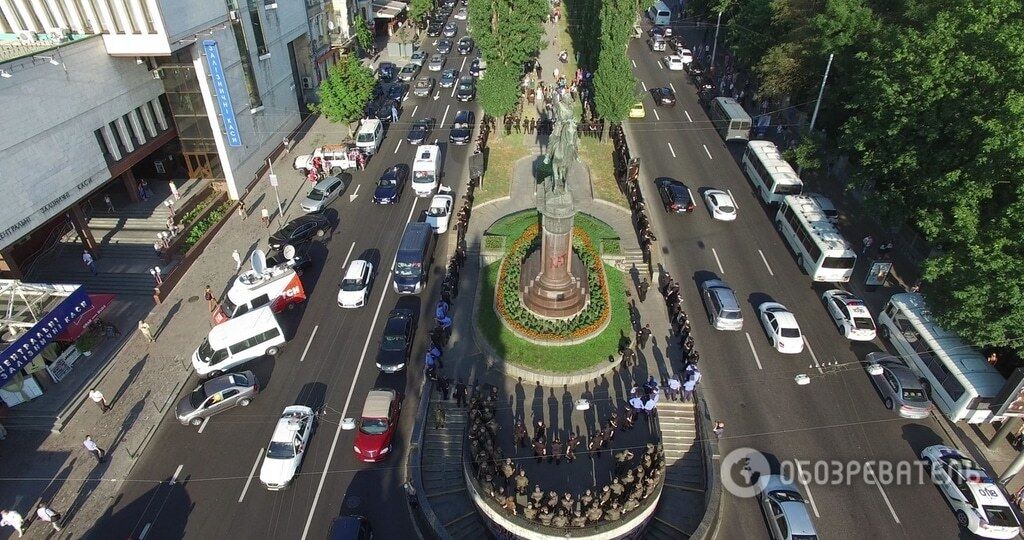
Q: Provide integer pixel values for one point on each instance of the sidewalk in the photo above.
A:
(141, 381)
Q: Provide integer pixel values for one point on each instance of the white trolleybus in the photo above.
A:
(729, 118)
(772, 176)
(960, 382)
(820, 249)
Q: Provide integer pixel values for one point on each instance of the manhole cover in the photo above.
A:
(192, 299)
(352, 501)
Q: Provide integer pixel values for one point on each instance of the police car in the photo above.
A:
(977, 500)
(850, 315)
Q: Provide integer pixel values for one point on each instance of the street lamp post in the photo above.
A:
(821, 91)
(715, 48)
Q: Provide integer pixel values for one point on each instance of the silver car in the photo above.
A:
(408, 72)
(902, 390)
(721, 304)
(436, 63)
(448, 78)
(418, 57)
(785, 509)
(423, 87)
(322, 194)
(216, 396)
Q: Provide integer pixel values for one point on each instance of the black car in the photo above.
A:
(387, 71)
(396, 342)
(474, 67)
(390, 185)
(674, 195)
(383, 108)
(299, 260)
(396, 90)
(466, 91)
(300, 230)
(420, 130)
(444, 46)
(465, 45)
(434, 29)
(664, 96)
(350, 528)
(462, 128)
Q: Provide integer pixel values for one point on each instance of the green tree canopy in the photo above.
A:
(614, 83)
(418, 10)
(507, 32)
(346, 91)
(363, 35)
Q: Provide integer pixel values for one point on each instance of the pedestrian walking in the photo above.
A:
(174, 190)
(265, 217)
(673, 387)
(94, 448)
(867, 242)
(241, 210)
(11, 518)
(460, 394)
(719, 429)
(48, 515)
(211, 301)
(410, 495)
(641, 289)
(238, 260)
(146, 330)
(97, 397)
(642, 335)
(439, 418)
(89, 262)
(110, 204)
(688, 387)
(444, 386)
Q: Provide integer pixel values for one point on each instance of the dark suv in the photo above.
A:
(462, 128)
(396, 343)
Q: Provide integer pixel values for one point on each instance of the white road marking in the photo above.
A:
(644, 85)
(734, 205)
(656, 115)
(813, 356)
(766, 263)
(884, 496)
(661, 65)
(445, 117)
(687, 115)
(463, 64)
(672, 86)
(355, 193)
(349, 254)
(708, 152)
(397, 146)
(308, 343)
(414, 109)
(807, 488)
(689, 194)
(252, 472)
(174, 477)
(405, 97)
(634, 62)
(145, 531)
(437, 95)
(753, 351)
(203, 425)
(453, 90)
(717, 260)
(671, 150)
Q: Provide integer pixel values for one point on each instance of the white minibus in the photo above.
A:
(773, 177)
(820, 248)
(238, 340)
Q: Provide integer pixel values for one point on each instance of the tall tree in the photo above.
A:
(614, 83)
(507, 32)
(418, 10)
(363, 34)
(346, 91)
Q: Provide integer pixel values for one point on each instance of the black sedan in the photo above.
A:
(300, 230)
(396, 90)
(664, 96)
(466, 91)
(474, 67)
(390, 185)
(465, 45)
(434, 29)
(462, 128)
(444, 46)
(396, 342)
(674, 195)
(420, 130)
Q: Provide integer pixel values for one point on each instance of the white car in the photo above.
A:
(977, 499)
(720, 204)
(674, 62)
(439, 212)
(686, 55)
(418, 57)
(355, 286)
(287, 447)
(781, 327)
(461, 15)
(850, 315)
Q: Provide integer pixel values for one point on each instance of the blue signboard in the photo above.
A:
(22, 351)
(220, 88)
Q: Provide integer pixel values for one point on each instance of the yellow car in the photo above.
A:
(637, 111)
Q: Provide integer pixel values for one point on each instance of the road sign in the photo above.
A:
(273, 180)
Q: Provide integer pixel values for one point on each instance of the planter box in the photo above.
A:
(161, 292)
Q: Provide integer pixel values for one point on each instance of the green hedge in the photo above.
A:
(199, 229)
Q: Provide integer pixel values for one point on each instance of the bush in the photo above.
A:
(199, 229)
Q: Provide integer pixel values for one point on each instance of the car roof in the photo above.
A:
(378, 402)
(223, 382)
(286, 427)
(463, 116)
(346, 527)
(355, 269)
(327, 182)
(786, 319)
(798, 518)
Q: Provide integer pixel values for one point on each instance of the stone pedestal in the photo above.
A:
(555, 292)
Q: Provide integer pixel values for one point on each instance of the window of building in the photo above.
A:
(257, 28)
(255, 101)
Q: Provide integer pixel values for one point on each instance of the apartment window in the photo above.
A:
(257, 28)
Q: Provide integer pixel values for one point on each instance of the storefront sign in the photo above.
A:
(220, 88)
(25, 348)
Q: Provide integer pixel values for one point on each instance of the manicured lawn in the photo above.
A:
(512, 226)
(598, 155)
(550, 357)
(503, 152)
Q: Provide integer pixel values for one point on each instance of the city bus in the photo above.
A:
(773, 177)
(820, 248)
(960, 382)
(729, 118)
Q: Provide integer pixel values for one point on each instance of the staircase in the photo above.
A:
(682, 502)
(443, 480)
(634, 257)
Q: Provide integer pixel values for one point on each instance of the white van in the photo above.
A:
(236, 341)
(426, 169)
(660, 14)
(370, 135)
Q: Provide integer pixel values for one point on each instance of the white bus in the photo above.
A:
(960, 382)
(729, 118)
(820, 248)
(773, 177)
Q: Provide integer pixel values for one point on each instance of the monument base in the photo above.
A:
(548, 300)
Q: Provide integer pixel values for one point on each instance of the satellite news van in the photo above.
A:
(278, 286)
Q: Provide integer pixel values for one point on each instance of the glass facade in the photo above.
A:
(255, 101)
(188, 111)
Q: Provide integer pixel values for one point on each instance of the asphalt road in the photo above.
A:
(839, 416)
(329, 363)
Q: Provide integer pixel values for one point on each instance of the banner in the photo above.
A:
(31, 343)
(220, 88)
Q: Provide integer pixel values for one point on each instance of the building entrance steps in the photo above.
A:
(443, 481)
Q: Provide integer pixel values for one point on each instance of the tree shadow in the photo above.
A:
(132, 375)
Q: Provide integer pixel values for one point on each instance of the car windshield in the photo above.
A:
(280, 450)
(351, 285)
(393, 343)
(914, 394)
(732, 315)
(423, 177)
(406, 269)
(727, 209)
(315, 195)
(365, 137)
(197, 397)
(205, 351)
(387, 181)
(787, 496)
(1000, 516)
(789, 332)
(436, 211)
(374, 426)
(863, 323)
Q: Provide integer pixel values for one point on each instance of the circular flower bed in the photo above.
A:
(508, 300)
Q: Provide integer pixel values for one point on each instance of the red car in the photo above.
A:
(377, 425)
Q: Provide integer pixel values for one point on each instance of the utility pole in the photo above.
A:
(715, 48)
(821, 91)
(273, 182)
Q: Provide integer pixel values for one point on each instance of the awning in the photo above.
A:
(81, 324)
(388, 9)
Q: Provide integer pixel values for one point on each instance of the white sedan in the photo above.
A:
(781, 327)
(675, 62)
(850, 315)
(720, 204)
(287, 447)
(977, 499)
(439, 212)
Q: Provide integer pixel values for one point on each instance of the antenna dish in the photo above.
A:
(289, 252)
(258, 260)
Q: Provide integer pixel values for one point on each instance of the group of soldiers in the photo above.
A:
(678, 318)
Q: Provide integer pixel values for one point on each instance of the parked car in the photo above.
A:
(785, 509)
(387, 71)
(423, 87)
(781, 327)
(721, 304)
(350, 528)
(461, 14)
(396, 91)
(902, 390)
(434, 29)
(444, 46)
(323, 193)
(977, 499)
(420, 130)
(419, 57)
(300, 230)
(664, 96)
(448, 78)
(474, 67)
(675, 196)
(462, 128)
(675, 62)
(355, 286)
(216, 396)
(436, 62)
(396, 343)
(465, 45)
(391, 183)
(439, 212)
(850, 315)
(466, 90)
(720, 205)
(287, 447)
(377, 424)
(408, 72)
(661, 31)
